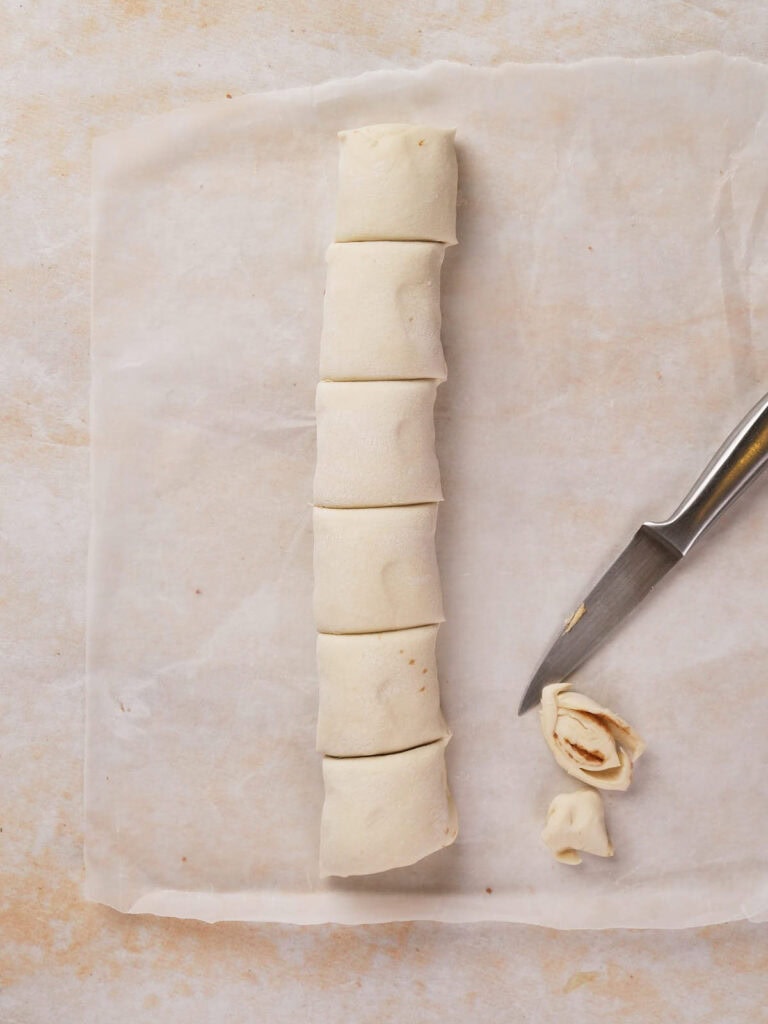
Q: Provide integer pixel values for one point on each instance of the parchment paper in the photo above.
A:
(605, 326)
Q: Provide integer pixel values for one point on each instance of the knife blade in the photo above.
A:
(654, 550)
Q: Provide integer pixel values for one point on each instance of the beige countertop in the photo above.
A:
(73, 71)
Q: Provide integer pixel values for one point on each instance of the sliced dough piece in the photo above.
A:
(381, 318)
(378, 692)
(376, 444)
(385, 812)
(397, 182)
(376, 569)
(576, 822)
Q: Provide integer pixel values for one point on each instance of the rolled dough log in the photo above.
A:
(376, 444)
(385, 812)
(381, 318)
(376, 569)
(378, 692)
(398, 182)
(377, 596)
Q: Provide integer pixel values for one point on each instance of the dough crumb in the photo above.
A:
(575, 618)
(576, 823)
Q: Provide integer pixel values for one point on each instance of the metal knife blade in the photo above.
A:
(654, 549)
(639, 567)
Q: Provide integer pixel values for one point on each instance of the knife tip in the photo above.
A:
(527, 703)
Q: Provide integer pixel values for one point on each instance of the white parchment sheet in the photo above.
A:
(605, 326)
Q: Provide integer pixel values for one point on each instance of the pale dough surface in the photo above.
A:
(378, 692)
(375, 569)
(81, 957)
(576, 823)
(397, 181)
(376, 444)
(381, 315)
(385, 812)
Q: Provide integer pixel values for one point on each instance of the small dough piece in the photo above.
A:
(385, 812)
(397, 182)
(376, 444)
(591, 743)
(378, 692)
(576, 822)
(381, 318)
(376, 569)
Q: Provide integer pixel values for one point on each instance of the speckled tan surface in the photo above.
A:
(69, 72)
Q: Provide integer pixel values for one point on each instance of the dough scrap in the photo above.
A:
(376, 569)
(588, 741)
(397, 182)
(576, 822)
(381, 316)
(385, 812)
(379, 692)
(376, 444)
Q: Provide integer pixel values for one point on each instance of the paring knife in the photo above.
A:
(654, 550)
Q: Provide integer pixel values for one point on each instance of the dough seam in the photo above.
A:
(403, 750)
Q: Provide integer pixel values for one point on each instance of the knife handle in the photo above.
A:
(743, 454)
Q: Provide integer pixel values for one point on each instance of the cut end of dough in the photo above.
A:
(590, 742)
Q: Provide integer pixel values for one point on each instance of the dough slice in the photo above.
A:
(385, 812)
(378, 692)
(376, 444)
(397, 182)
(376, 569)
(381, 318)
